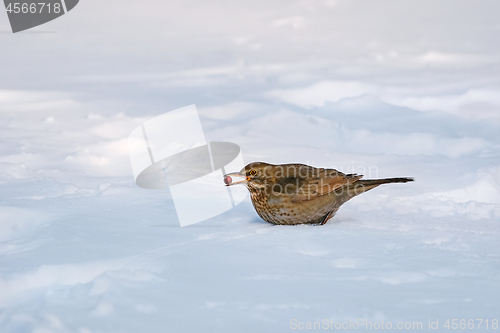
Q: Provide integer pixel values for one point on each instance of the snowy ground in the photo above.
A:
(384, 88)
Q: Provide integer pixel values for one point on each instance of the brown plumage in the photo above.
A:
(299, 193)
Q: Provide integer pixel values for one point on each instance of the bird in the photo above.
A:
(291, 194)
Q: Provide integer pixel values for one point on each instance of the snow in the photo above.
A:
(385, 89)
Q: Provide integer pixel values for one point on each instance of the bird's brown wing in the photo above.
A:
(307, 183)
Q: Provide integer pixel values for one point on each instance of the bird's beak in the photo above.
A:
(234, 178)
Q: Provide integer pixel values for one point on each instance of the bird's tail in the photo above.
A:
(364, 185)
(376, 182)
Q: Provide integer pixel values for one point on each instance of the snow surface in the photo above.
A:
(382, 88)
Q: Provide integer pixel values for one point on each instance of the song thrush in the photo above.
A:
(299, 193)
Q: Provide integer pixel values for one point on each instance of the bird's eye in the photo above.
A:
(252, 172)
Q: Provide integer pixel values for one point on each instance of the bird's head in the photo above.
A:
(255, 175)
